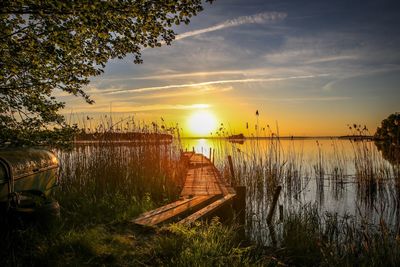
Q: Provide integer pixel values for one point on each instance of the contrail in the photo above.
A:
(253, 19)
(156, 88)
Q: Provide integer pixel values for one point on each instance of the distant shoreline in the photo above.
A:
(350, 137)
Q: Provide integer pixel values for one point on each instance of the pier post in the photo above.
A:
(281, 213)
(271, 211)
(273, 204)
(239, 204)
(209, 157)
(231, 170)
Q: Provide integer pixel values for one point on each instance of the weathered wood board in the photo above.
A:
(155, 218)
(204, 191)
(208, 209)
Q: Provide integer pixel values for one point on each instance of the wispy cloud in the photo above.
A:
(332, 58)
(298, 99)
(196, 92)
(159, 107)
(260, 18)
(308, 99)
(174, 86)
(126, 107)
(179, 75)
(357, 74)
(200, 74)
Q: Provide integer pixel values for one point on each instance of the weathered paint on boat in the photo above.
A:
(26, 169)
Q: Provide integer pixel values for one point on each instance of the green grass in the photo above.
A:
(305, 239)
(120, 245)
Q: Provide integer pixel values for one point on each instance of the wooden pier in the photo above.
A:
(204, 192)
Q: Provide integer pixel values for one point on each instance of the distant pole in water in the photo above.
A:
(257, 128)
(210, 154)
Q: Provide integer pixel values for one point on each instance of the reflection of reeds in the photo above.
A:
(371, 172)
(319, 169)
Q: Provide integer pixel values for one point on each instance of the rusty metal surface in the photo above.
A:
(24, 162)
(3, 174)
(27, 169)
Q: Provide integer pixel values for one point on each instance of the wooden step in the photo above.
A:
(204, 212)
(174, 210)
(162, 209)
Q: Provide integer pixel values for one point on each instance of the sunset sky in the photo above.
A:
(312, 66)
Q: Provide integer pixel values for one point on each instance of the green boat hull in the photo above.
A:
(27, 170)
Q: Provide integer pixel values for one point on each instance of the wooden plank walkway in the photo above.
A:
(204, 191)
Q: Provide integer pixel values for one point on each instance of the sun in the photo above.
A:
(202, 123)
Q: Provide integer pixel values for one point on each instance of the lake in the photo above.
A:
(336, 176)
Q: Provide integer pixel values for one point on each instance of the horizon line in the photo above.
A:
(279, 137)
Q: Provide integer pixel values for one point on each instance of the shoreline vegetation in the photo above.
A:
(138, 136)
(122, 138)
(349, 137)
(241, 138)
(104, 186)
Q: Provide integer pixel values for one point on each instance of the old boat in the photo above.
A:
(26, 170)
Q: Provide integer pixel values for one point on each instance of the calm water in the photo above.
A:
(326, 173)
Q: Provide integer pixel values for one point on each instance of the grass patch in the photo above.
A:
(201, 245)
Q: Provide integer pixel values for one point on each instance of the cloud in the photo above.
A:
(200, 74)
(127, 107)
(260, 18)
(197, 92)
(300, 99)
(308, 99)
(245, 80)
(159, 107)
(179, 75)
(358, 73)
(332, 58)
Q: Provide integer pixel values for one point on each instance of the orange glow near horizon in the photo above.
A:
(234, 113)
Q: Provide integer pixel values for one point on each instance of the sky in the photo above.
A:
(310, 67)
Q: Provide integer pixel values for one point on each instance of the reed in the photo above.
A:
(262, 165)
(116, 177)
(311, 239)
(106, 183)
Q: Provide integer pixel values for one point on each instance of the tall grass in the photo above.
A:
(115, 178)
(262, 165)
(309, 238)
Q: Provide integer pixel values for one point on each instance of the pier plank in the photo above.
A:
(204, 191)
(158, 218)
(208, 209)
